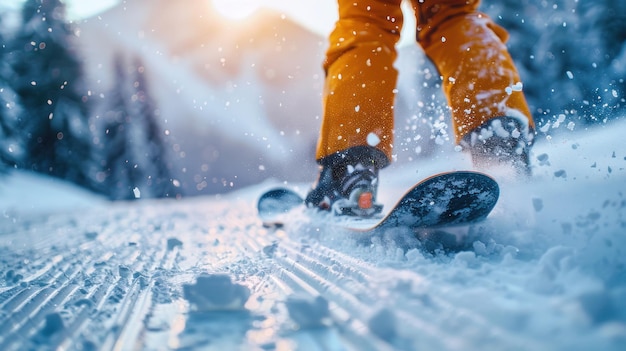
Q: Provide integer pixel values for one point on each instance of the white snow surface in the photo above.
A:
(547, 270)
(28, 192)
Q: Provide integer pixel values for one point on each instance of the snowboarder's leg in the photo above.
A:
(479, 77)
(360, 81)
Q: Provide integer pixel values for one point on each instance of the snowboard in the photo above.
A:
(429, 208)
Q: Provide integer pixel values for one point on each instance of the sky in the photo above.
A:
(76, 9)
(317, 15)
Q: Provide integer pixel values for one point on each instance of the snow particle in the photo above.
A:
(136, 193)
(270, 250)
(124, 271)
(373, 139)
(515, 87)
(537, 204)
(543, 160)
(91, 235)
(570, 75)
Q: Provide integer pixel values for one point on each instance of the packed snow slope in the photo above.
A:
(547, 270)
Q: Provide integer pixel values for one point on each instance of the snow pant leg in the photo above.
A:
(360, 81)
(479, 77)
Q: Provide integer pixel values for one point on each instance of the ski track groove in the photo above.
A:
(33, 310)
(306, 267)
(100, 271)
(291, 277)
(310, 269)
(96, 279)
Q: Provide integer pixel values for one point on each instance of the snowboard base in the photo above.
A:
(431, 208)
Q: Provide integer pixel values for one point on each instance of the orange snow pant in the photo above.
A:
(479, 78)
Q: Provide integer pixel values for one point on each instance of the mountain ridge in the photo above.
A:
(210, 80)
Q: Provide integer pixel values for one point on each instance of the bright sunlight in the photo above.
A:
(236, 9)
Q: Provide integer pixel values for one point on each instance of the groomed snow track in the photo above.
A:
(113, 279)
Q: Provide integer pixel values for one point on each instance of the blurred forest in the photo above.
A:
(47, 123)
(571, 55)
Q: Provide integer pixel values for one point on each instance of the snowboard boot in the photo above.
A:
(502, 141)
(348, 182)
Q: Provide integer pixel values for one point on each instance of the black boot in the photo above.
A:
(348, 182)
(501, 141)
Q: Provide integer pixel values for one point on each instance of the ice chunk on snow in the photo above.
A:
(537, 204)
(308, 312)
(383, 324)
(53, 324)
(172, 243)
(216, 292)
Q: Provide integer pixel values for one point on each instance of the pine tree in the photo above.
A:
(134, 156)
(152, 174)
(113, 146)
(48, 77)
(10, 110)
(568, 53)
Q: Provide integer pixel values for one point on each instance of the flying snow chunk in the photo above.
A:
(515, 87)
(136, 192)
(373, 139)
